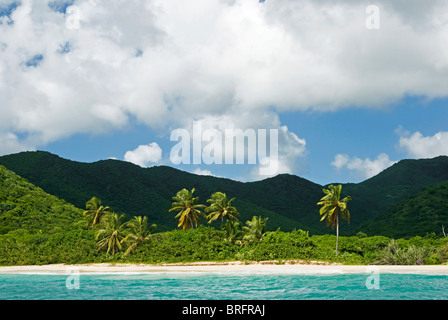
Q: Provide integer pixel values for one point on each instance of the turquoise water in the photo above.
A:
(215, 286)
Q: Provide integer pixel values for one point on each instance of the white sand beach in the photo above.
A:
(293, 267)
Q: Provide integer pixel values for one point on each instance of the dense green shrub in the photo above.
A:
(76, 244)
(23, 248)
(38, 228)
(396, 254)
(434, 259)
(279, 245)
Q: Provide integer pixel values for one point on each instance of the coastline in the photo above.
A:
(288, 267)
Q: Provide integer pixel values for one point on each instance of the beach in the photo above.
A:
(232, 267)
(223, 281)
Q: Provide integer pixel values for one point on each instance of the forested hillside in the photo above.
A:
(26, 207)
(288, 201)
(38, 228)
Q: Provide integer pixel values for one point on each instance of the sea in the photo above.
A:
(223, 286)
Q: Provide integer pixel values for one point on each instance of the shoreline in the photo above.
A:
(269, 267)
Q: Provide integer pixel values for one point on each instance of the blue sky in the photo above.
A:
(364, 133)
(359, 132)
(110, 79)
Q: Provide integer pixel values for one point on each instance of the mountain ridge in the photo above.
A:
(288, 200)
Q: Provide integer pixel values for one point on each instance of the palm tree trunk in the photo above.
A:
(337, 234)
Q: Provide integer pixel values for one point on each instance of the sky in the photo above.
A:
(350, 87)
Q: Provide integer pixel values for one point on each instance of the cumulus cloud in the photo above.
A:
(290, 149)
(10, 143)
(145, 155)
(270, 152)
(202, 172)
(163, 62)
(340, 161)
(419, 146)
(362, 168)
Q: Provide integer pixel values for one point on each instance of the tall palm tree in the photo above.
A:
(188, 209)
(95, 211)
(231, 230)
(332, 207)
(111, 233)
(138, 232)
(255, 229)
(221, 207)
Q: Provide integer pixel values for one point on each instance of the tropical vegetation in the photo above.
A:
(39, 228)
(188, 209)
(404, 195)
(221, 208)
(332, 207)
(111, 234)
(255, 229)
(139, 231)
(95, 211)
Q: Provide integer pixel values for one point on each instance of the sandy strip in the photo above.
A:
(232, 267)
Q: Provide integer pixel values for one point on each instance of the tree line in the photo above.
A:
(113, 236)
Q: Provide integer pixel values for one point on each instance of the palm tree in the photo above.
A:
(95, 211)
(231, 230)
(221, 207)
(332, 206)
(138, 232)
(112, 233)
(188, 209)
(255, 229)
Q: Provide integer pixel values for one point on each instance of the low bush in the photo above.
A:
(78, 245)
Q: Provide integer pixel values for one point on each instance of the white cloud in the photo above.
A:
(289, 146)
(202, 172)
(167, 61)
(419, 146)
(115, 116)
(340, 161)
(290, 149)
(362, 168)
(10, 143)
(145, 155)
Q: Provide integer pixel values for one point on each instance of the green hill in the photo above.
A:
(26, 207)
(398, 182)
(38, 228)
(130, 189)
(423, 213)
(287, 200)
